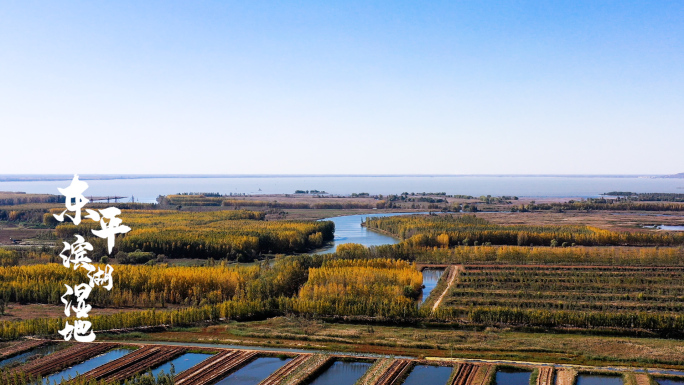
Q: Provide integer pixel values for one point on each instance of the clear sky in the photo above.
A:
(342, 87)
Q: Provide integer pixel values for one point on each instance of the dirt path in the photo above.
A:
(453, 271)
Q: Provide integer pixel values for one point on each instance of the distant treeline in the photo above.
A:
(338, 205)
(201, 200)
(577, 255)
(39, 213)
(645, 197)
(603, 204)
(11, 199)
(453, 230)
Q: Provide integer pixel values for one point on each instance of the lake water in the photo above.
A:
(671, 228)
(428, 375)
(21, 358)
(182, 363)
(430, 279)
(255, 372)
(85, 366)
(513, 377)
(341, 373)
(147, 189)
(587, 379)
(348, 229)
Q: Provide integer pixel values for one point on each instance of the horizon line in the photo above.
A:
(98, 176)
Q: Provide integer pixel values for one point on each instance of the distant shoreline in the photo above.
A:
(60, 177)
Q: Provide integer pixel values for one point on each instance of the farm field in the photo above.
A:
(648, 298)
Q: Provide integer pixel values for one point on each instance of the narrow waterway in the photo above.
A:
(348, 229)
(430, 278)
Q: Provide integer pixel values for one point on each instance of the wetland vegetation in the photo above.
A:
(518, 279)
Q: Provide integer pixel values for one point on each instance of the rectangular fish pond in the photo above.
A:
(255, 372)
(513, 376)
(669, 381)
(85, 366)
(341, 373)
(428, 375)
(180, 363)
(599, 379)
(34, 353)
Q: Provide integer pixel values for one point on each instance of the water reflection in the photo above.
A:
(182, 363)
(595, 379)
(428, 375)
(348, 229)
(23, 357)
(255, 372)
(430, 278)
(342, 373)
(513, 377)
(85, 366)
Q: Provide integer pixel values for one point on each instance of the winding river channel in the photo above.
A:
(348, 229)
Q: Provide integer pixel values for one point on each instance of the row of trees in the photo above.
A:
(668, 324)
(382, 309)
(348, 285)
(328, 203)
(577, 255)
(451, 230)
(12, 199)
(569, 288)
(148, 286)
(606, 204)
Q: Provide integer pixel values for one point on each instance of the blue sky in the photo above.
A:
(342, 87)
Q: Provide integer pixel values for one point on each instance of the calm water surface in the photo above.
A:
(21, 358)
(428, 375)
(184, 362)
(342, 373)
(667, 381)
(348, 229)
(85, 366)
(430, 279)
(513, 377)
(671, 228)
(585, 379)
(147, 189)
(255, 372)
